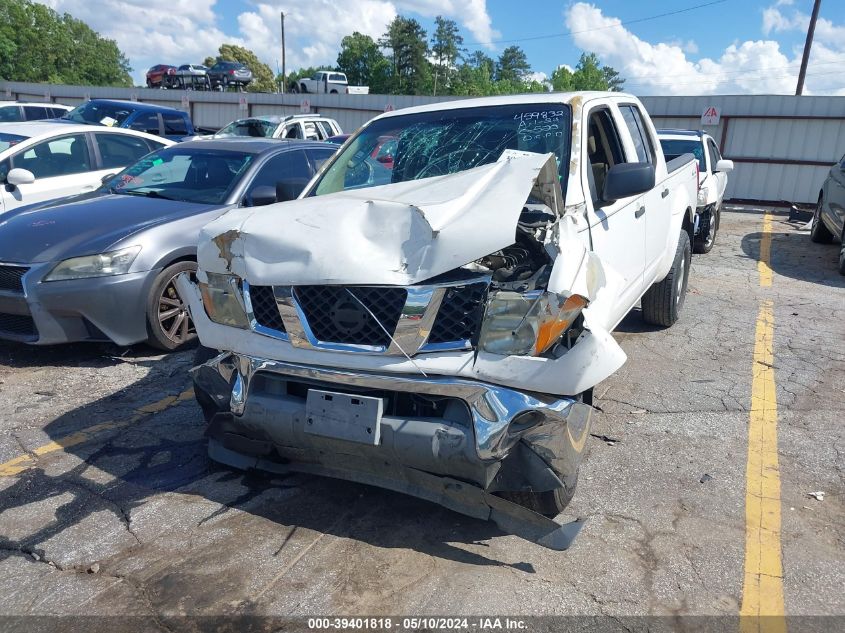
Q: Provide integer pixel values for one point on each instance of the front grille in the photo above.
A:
(264, 308)
(460, 314)
(19, 324)
(334, 316)
(11, 278)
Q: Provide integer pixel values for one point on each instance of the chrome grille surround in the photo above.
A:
(409, 336)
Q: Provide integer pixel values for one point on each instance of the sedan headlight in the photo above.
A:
(102, 265)
(527, 324)
(223, 300)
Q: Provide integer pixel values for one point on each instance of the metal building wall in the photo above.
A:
(783, 146)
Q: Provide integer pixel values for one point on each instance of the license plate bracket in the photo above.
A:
(344, 416)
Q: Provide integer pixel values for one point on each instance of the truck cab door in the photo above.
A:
(617, 229)
(654, 205)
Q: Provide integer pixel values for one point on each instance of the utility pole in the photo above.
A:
(799, 89)
(284, 72)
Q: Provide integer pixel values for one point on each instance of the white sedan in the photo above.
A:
(43, 160)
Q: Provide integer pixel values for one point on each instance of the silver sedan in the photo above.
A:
(101, 266)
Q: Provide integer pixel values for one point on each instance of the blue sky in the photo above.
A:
(733, 46)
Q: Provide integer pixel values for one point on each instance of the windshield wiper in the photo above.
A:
(136, 192)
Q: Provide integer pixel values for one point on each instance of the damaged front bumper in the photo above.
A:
(449, 440)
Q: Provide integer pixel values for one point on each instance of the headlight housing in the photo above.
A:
(223, 300)
(102, 265)
(702, 196)
(527, 324)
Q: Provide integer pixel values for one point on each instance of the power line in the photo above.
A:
(599, 28)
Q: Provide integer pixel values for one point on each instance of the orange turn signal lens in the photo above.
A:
(552, 329)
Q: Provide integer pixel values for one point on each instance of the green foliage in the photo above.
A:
(410, 68)
(446, 46)
(39, 45)
(263, 79)
(364, 63)
(589, 75)
(512, 65)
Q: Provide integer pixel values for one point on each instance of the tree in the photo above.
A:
(589, 74)
(411, 72)
(364, 63)
(446, 46)
(512, 65)
(263, 79)
(39, 45)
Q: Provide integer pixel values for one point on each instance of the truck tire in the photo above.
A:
(549, 503)
(819, 233)
(168, 323)
(662, 302)
(333, 92)
(704, 243)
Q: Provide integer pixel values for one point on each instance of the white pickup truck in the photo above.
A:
(328, 82)
(712, 180)
(437, 327)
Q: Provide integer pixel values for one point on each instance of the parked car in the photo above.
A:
(225, 74)
(101, 267)
(302, 126)
(328, 82)
(16, 111)
(829, 218)
(193, 77)
(438, 329)
(161, 76)
(144, 117)
(712, 176)
(43, 160)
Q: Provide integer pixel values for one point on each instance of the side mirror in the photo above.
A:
(628, 179)
(724, 165)
(260, 196)
(289, 189)
(107, 177)
(20, 176)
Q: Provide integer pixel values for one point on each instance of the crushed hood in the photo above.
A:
(397, 234)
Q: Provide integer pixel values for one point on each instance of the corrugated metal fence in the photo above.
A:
(783, 146)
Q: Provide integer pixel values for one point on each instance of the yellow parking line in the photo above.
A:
(762, 606)
(24, 462)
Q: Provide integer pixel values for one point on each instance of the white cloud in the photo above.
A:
(182, 31)
(754, 66)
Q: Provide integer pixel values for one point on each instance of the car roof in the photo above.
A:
(681, 134)
(136, 105)
(47, 128)
(279, 118)
(36, 103)
(254, 145)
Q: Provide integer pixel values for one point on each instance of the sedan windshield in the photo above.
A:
(431, 144)
(248, 127)
(674, 148)
(93, 113)
(10, 140)
(186, 174)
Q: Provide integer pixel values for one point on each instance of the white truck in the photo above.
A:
(712, 180)
(328, 82)
(437, 328)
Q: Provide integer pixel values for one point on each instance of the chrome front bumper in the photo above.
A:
(506, 440)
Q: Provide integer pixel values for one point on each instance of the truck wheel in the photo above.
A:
(818, 231)
(333, 92)
(662, 302)
(704, 243)
(549, 503)
(168, 322)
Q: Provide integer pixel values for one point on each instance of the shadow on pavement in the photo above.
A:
(120, 470)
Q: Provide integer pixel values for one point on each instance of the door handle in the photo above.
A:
(639, 212)
(664, 193)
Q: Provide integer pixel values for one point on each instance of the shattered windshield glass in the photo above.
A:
(431, 144)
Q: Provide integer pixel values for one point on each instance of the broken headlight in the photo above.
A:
(527, 324)
(223, 300)
(703, 192)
